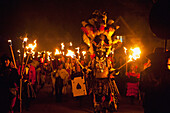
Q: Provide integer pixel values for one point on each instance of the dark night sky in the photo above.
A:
(54, 21)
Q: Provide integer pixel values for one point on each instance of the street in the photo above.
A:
(45, 103)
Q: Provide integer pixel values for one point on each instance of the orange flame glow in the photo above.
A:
(57, 52)
(134, 54)
(71, 44)
(32, 46)
(62, 46)
(125, 49)
(78, 50)
(83, 52)
(49, 55)
(70, 53)
(25, 39)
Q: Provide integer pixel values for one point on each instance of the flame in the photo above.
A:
(62, 46)
(18, 51)
(57, 52)
(125, 49)
(9, 41)
(78, 50)
(39, 54)
(49, 55)
(83, 52)
(25, 39)
(70, 53)
(31, 46)
(25, 54)
(134, 54)
(71, 44)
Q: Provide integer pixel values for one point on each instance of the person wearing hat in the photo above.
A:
(9, 81)
(155, 83)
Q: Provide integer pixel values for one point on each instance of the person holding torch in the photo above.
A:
(9, 82)
(155, 83)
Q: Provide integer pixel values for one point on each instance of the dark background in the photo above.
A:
(54, 21)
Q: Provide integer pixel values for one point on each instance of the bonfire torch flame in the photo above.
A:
(18, 51)
(57, 52)
(49, 55)
(84, 52)
(125, 49)
(31, 46)
(70, 53)
(135, 54)
(25, 39)
(71, 44)
(62, 46)
(10, 42)
(78, 50)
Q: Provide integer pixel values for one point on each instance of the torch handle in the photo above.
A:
(79, 63)
(13, 56)
(21, 74)
(122, 65)
(27, 60)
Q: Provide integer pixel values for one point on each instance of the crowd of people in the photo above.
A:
(151, 85)
(35, 73)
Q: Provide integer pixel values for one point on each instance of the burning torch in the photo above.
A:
(134, 54)
(21, 71)
(30, 49)
(10, 45)
(62, 47)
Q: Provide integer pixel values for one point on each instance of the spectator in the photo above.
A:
(9, 82)
(155, 83)
(133, 83)
(61, 80)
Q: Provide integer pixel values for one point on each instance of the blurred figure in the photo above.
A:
(133, 83)
(9, 82)
(68, 66)
(155, 83)
(42, 74)
(61, 80)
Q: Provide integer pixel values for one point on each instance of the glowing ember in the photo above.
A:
(134, 54)
(70, 53)
(57, 52)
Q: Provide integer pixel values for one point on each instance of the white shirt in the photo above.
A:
(62, 73)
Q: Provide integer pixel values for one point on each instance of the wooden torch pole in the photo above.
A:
(10, 45)
(21, 73)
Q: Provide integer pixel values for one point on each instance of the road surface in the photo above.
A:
(45, 103)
